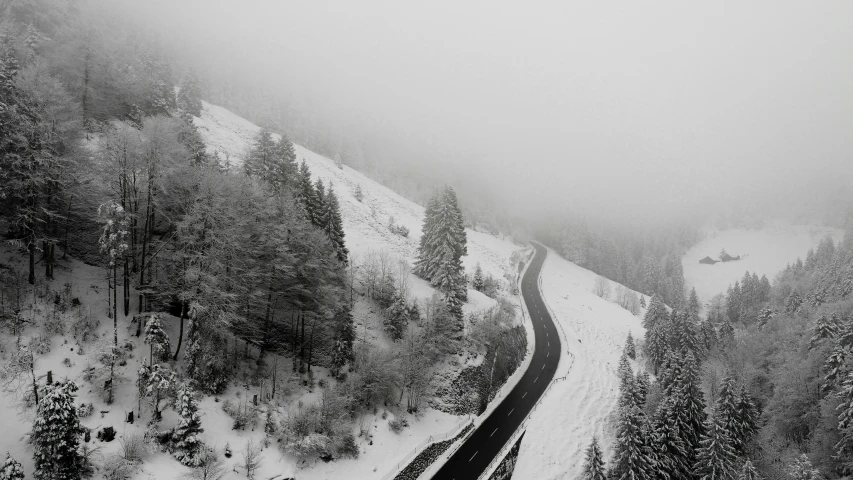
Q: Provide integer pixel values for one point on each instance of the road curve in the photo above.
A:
(474, 456)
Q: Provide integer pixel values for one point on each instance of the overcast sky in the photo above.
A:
(571, 101)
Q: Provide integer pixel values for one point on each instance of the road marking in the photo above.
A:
(537, 378)
(543, 366)
(493, 433)
(525, 394)
(510, 412)
(472, 456)
(549, 354)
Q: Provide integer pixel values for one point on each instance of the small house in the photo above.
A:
(708, 261)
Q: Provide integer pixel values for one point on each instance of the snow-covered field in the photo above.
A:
(579, 407)
(765, 251)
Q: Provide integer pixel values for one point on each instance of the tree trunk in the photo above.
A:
(302, 343)
(144, 249)
(311, 343)
(180, 330)
(67, 223)
(294, 329)
(31, 247)
(126, 289)
(274, 374)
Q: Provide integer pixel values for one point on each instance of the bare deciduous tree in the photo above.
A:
(601, 287)
(251, 458)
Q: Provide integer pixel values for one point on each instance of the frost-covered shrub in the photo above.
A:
(133, 447)
(40, 344)
(85, 409)
(398, 424)
(243, 413)
(117, 468)
(84, 325)
(54, 324)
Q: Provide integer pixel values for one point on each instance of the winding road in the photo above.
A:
(474, 456)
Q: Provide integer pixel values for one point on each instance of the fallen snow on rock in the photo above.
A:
(764, 251)
(573, 410)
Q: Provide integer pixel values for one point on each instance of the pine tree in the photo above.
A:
(631, 459)
(593, 467)
(305, 192)
(334, 225)
(748, 416)
(655, 313)
(624, 371)
(676, 456)
(691, 401)
(11, 469)
(708, 335)
(657, 345)
(642, 383)
(727, 332)
(397, 318)
(728, 410)
(630, 349)
(693, 306)
(321, 212)
(844, 447)
(748, 472)
(158, 339)
(189, 95)
(477, 283)
(56, 435)
(185, 443)
(715, 458)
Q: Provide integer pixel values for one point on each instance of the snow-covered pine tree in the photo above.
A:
(691, 401)
(631, 459)
(624, 371)
(655, 313)
(477, 282)
(157, 338)
(727, 332)
(305, 192)
(11, 469)
(715, 458)
(642, 383)
(159, 384)
(657, 345)
(260, 161)
(693, 303)
(185, 443)
(630, 349)
(334, 227)
(676, 456)
(708, 335)
(426, 250)
(844, 447)
(593, 467)
(729, 413)
(748, 472)
(56, 435)
(397, 318)
(189, 95)
(321, 213)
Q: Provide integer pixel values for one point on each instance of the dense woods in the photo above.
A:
(759, 388)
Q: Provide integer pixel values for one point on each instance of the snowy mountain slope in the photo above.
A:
(365, 223)
(765, 251)
(581, 406)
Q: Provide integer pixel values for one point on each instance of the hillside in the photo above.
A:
(582, 405)
(366, 226)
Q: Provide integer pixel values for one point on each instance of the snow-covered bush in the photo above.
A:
(11, 469)
(133, 447)
(54, 324)
(40, 344)
(243, 413)
(398, 424)
(56, 434)
(84, 410)
(84, 325)
(117, 468)
(157, 338)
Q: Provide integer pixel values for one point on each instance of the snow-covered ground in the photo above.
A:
(765, 251)
(575, 409)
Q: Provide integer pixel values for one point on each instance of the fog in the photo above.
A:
(606, 108)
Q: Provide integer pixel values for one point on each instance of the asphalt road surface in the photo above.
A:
(472, 458)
